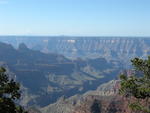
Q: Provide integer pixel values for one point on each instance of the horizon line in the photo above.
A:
(75, 36)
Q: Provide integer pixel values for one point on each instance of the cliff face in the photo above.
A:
(103, 100)
(108, 47)
(97, 104)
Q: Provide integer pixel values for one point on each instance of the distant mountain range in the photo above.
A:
(91, 47)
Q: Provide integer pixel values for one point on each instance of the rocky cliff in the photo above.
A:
(108, 47)
(103, 100)
(46, 77)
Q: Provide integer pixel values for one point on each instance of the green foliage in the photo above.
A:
(9, 94)
(138, 86)
(136, 106)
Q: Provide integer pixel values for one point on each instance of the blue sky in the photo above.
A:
(75, 17)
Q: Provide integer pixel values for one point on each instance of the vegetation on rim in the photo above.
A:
(137, 87)
(9, 94)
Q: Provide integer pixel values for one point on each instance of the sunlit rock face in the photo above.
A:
(91, 47)
(103, 100)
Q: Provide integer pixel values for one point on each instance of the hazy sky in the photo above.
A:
(75, 17)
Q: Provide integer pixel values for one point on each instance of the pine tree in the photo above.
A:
(137, 86)
(9, 94)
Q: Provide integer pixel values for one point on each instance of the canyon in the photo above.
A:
(71, 74)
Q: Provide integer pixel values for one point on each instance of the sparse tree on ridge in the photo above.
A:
(137, 87)
(9, 94)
